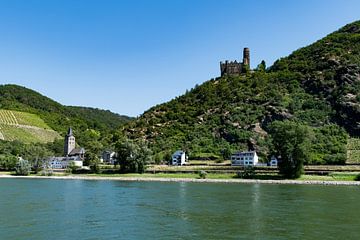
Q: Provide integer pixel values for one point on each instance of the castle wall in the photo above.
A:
(234, 67)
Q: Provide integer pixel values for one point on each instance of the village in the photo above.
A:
(74, 157)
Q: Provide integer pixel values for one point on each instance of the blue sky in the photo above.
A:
(127, 56)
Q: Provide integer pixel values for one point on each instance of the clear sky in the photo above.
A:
(127, 56)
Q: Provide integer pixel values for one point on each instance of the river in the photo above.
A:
(88, 209)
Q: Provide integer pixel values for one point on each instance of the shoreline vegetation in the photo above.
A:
(217, 178)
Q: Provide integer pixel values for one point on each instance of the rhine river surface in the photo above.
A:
(83, 209)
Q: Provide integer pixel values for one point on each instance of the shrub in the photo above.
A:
(357, 178)
(202, 174)
(95, 168)
(248, 172)
(46, 172)
(71, 168)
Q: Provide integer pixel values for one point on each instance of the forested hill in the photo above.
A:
(330, 69)
(317, 86)
(57, 116)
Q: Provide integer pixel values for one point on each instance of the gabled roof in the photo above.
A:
(178, 152)
(77, 151)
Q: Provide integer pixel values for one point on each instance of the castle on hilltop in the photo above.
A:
(234, 67)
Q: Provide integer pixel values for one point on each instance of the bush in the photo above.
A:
(95, 168)
(71, 168)
(357, 178)
(248, 172)
(23, 167)
(46, 172)
(202, 174)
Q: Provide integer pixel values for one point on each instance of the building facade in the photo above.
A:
(178, 158)
(108, 157)
(247, 158)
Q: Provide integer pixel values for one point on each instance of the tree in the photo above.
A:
(168, 157)
(262, 66)
(36, 154)
(8, 162)
(226, 152)
(23, 167)
(291, 142)
(132, 157)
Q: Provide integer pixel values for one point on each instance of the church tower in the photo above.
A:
(69, 142)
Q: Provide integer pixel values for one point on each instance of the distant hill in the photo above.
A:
(318, 85)
(42, 112)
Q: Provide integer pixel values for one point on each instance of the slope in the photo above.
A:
(24, 127)
(330, 69)
(317, 85)
(55, 115)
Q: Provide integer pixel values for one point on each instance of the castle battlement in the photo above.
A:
(234, 67)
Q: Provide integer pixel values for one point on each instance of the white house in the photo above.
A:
(273, 161)
(248, 158)
(63, 162)
(108, 157)
(178, 158)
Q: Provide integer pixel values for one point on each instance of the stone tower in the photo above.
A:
(246, 57)
(69, 142)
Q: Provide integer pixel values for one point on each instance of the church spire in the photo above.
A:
(70, 132)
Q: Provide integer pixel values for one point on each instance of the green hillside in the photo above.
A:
(24, 127)
(56, 116)
(33, 126)
(317, 86)
(330, 69)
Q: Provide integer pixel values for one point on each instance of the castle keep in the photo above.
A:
(234, 67)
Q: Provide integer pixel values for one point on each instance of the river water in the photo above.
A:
(85, 209)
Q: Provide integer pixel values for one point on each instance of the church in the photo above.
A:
(70, 149)
(71, 154)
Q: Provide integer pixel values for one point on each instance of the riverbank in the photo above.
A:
(198, 180)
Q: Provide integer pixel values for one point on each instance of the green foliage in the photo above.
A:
(357, 178)
(8, 162)
(167, 157)
(329, 70)
(23, 167)
(262, 66)
(247, 173)
(132, 157)
(291, 143)
(72, 168)
(93, 163)
(202, 174)
(226, 152)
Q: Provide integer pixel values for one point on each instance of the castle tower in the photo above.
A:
(246, 57)
(69, 142)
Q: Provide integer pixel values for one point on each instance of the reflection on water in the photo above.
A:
(76, 209)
